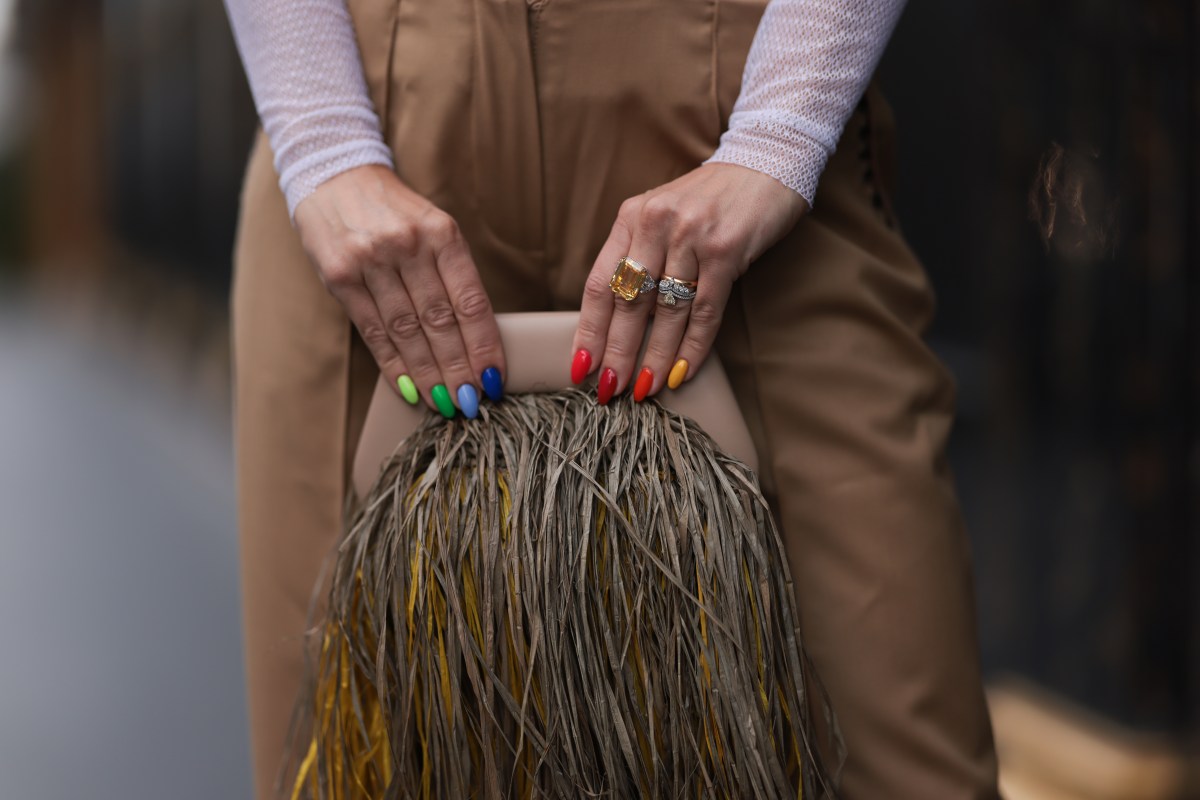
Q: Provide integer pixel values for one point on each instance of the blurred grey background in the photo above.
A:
(124, 128)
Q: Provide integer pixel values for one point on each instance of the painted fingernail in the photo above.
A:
(468, 400)
(606, 386)
(493, 386)
(408, 390)
(644, 382)
(580, 365)
(441, 399)
(678, 373)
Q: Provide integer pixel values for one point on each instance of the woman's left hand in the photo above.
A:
(706, 226)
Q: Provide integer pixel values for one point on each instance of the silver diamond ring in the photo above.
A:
(673, 290)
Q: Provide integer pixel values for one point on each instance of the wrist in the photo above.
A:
(786, 154)
(300, 180)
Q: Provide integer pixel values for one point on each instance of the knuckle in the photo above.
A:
(402, 239)
(656, 353)
(365, 248)
(404, 325)
(596, 289)
(706, 313)
(391, 365)
(590, 330)
(474, 304)
(631, 208)
(341, 273)
(718, 247)
(423, 370)
(458, 368)
(439, 317)
(621, 349)
(375, 336)
(689, 220)
(659, 212)
(440, 228)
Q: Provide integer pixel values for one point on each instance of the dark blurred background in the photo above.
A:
(1049, 178)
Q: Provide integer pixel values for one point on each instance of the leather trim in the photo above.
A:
(538, 349)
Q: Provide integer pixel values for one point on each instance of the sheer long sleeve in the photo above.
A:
(305, 74)
(807, 68)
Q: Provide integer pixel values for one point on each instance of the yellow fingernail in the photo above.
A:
(678, 373)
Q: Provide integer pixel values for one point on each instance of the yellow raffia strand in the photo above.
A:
(337, 730)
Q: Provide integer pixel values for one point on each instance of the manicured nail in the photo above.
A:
(493, 386)
(580, 365)
(678, 373)
(408, 390)
(441, 399)
(606, 386)
(468, 400)
(644, 382)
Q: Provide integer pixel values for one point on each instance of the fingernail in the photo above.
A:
(678, 373)
(644, 382)
(580, 365)
(606, 386)
(493, 386)
(441, 399)
(468, 400)
(408, 390)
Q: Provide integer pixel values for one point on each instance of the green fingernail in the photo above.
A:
(408, 390)
(441, 398)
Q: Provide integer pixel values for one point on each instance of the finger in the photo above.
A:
(704, 319)
(596, 310)
(440, 325)
(667, 329)
(628, 324)
(403, 327)
(365, 315)
(473, 310)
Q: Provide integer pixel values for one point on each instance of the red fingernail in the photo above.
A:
(644, 381)
(606, 386)
(580, 365)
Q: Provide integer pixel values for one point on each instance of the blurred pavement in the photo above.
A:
(120, 669)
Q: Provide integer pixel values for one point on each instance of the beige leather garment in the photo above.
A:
(530, 126)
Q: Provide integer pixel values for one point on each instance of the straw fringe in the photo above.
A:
(562, 600)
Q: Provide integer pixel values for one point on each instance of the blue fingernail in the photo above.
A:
(468, 401)
(492, 384)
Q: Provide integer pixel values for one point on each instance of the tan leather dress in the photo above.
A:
(529, 121)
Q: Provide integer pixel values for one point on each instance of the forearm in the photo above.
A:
(305, 74)
(807, 69)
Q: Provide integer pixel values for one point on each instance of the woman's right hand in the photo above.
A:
(402, 270)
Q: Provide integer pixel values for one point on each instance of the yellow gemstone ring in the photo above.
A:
(631, 280)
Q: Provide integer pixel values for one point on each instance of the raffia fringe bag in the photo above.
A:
(560, 599)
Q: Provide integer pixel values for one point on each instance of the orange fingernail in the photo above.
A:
(644, 382)
(678, 373)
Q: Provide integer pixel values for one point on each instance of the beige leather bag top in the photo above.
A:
(538, 349)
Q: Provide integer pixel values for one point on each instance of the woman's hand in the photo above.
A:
(706, 226)
(403, 272)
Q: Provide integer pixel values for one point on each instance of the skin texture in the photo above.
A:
(707, 226)
(403, 272)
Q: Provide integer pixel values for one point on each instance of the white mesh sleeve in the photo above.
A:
(305, 73)
(807, 68)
